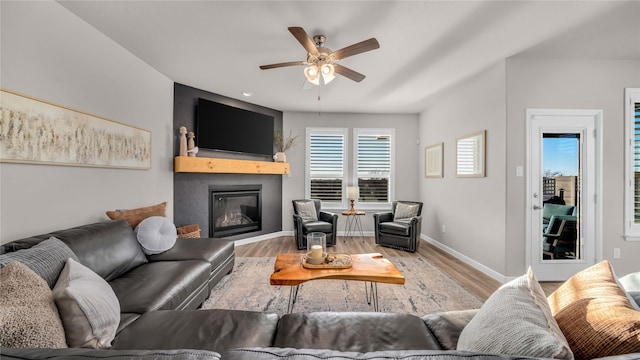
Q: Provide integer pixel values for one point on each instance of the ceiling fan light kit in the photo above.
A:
(321, 61)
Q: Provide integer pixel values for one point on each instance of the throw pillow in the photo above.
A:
(135, 216)
(519, 316)
(307, 210)
(89, 308)
(405, 211)
(595, 314)
(156, 234)
(631, 284)
(46, 258)
(28, 315)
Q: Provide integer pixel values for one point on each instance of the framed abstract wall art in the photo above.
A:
(35, 131)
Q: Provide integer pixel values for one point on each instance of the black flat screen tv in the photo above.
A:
(228, 128)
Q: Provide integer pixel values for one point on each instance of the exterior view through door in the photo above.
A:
(563, 183)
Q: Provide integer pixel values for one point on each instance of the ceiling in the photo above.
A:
(425, 46)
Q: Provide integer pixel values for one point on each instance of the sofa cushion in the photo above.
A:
(108, 248)
(213, 251)
(215, 330)
(162, 285)
(156, 234)
(518, 315)
(88, 307)
(395, 228)
(324, 354)
(135, 216)
(351, 331)
(447, 326)
(84, 354)
(317, 226)
(595, 314)
(46, 258)
(28, 315)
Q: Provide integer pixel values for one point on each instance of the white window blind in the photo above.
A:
(326, 165)
(632, 173)
(374, 155)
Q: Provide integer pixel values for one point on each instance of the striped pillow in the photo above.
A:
(47, 259)
(405, 211)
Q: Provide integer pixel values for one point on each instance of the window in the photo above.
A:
(326, 161)
(373, 166)
(632, 165)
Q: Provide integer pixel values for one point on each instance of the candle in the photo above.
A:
(316, 252)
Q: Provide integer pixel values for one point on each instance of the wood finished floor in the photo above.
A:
(476, 281)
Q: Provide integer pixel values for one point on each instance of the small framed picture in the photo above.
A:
(433, 159)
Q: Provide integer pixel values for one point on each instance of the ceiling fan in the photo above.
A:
(321, 61)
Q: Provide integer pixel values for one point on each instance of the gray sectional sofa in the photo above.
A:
(159, 296)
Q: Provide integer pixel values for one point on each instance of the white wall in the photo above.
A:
(571, 84)
(471, 209)
(49, 53)
(407, 156)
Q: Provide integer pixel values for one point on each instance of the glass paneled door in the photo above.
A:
(562, 191)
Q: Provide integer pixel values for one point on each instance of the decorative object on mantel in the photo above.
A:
(183, 141)
(35, 131)
(192, 149)
(353, 193)
(283, 143)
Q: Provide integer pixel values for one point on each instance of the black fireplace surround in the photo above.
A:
(234, 209)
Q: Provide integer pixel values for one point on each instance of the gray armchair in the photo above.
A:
(308, 218)
(400, 228)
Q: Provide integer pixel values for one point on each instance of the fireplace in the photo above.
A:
(234, 209)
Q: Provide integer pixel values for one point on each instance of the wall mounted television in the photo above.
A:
(228, 128)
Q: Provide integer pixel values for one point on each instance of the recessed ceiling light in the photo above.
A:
(247, 94)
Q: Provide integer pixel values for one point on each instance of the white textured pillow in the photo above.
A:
(405, 211)
(307, 210)
(156, 234)
(88, 307)
(630, 283)
(516, 320)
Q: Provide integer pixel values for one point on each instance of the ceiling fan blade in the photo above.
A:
(363, 46)
(304, 39)
(278, 65)
(346, 72)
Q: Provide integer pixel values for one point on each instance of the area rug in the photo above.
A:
(427, 289)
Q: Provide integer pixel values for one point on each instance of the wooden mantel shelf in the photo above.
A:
(184, 164)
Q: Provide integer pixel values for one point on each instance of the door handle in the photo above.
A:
(537, 207)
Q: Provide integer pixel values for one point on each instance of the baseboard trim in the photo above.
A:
(262, 237)
(467, 260)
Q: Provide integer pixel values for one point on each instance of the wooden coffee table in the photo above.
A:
(370, 268)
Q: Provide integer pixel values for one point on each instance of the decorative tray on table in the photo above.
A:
(333, 261)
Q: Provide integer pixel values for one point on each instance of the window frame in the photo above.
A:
(307, 187)
(631, 228)
(391, 132)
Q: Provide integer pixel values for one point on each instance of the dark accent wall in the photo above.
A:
(191, 190)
